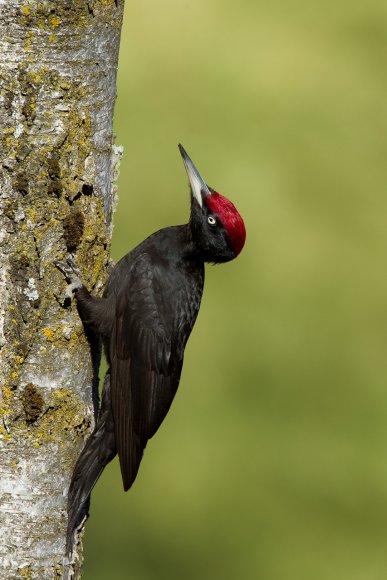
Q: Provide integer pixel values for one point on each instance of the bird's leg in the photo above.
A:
(95, 312)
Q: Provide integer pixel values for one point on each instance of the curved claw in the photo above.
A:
(71, 273)
(69, 268)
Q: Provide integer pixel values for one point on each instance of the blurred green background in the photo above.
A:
(272, 463)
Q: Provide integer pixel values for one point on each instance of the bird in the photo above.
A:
(144, 319)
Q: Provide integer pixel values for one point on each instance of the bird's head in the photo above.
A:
(217, 227)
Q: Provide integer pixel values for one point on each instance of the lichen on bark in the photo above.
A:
(57, 93)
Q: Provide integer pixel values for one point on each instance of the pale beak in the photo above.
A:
(198, 187)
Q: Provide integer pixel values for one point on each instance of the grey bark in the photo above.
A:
(57, 92)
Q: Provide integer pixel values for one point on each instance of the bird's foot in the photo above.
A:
(71, 272)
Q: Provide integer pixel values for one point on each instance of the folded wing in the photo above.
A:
(146, 358)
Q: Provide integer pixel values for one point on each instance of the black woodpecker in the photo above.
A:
(144, 319)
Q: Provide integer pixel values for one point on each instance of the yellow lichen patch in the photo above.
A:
(65, 336)
(7, 395)
(65, 85)
(92, 251)
(7, 436)
(31, 213)
(25, 572)
(75, 338)
(106, 2)
(64, 418)
(25, 10)
(28, 41)
(18, 359)
(49, 333)
(58, 571)
(36, 78)
(54, 22)
(36, 440)
(51, 14)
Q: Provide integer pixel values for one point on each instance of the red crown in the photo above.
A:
(230, 218)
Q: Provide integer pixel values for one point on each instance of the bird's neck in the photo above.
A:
(188, 247)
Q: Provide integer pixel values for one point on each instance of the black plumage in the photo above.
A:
(144, 318)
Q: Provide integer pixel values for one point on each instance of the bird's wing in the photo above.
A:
(145, 361)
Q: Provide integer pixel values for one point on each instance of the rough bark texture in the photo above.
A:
(57, 73)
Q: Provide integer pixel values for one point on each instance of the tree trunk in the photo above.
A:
(58, 84)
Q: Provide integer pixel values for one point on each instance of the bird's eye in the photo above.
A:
(211, 220)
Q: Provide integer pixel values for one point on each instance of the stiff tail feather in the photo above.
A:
(99, 450)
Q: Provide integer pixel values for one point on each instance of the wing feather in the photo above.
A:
(146, 361)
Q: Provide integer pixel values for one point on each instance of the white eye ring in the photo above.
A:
(211, 220)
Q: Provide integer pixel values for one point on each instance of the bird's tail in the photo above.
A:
(100, 448)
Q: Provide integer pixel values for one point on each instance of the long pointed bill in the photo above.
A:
(198, 187)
